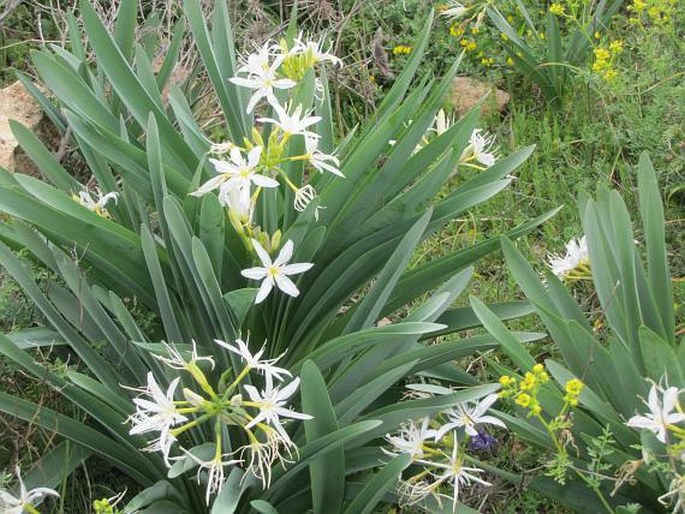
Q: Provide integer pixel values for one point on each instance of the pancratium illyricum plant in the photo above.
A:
(285, 226)
(438, 448)
(258, 412)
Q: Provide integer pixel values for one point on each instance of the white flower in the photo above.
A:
(265, 366)
(576, 256)
(215, 472)
(319, 160)
(238, 172)
(481, 148)
(454, 10)
(271, 404)
(178, 361)
(237, 199)
(97, 206)
(468, 416)
(314, 51)
(262, 77)
(10, 504)
(675, 497)
(411, 438)
(158, 414)
(660, 415)
(221, 148)
(455, 473)
(303, 197)
(442, 122)
(295, 123)
(276, 272)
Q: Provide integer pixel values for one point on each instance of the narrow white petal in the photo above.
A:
(261, 253)
(293, 269)
(285, 254)
(264, 290)
(254, 273)
(286, 285)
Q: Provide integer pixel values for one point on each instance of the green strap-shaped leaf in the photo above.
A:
(375, 299)
(381, 482)
(327, 474)
(652, 213)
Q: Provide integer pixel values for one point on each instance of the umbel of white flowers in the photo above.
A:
(261, 413)
(438, 451)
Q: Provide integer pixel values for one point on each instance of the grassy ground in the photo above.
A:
(594, 137)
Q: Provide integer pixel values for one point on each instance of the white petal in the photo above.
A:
(286, 285)
(285, 254)
(263, 181)
(293, 269)
(254, 273)
(264, 290)
(261, 253)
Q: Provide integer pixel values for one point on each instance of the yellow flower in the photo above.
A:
(528, 381)
(557, 9)
(510, 61)
(456, 30)
(574, 387)
(536, 409)
(505, 380)
(616, 47)
(469, 44)
(610, 74)
(401, 50)
(538, 368)
(474, 30)
(597, 35)
(523, 400)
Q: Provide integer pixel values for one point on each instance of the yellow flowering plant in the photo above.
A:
(615, 424)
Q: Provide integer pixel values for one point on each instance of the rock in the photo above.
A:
(467, 92)
(17, 104)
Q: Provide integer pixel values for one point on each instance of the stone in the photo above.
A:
(468, 91)
(17, 104)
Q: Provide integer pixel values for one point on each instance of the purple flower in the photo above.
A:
(482, 441)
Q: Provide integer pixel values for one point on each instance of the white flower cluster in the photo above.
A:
(259, 412)
(439, 446)
(273, 67)
(575, 264)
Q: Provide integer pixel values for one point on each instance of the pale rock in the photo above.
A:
(16, 104)
(467, 92)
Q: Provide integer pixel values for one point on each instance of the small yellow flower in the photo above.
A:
(474, 30)
(574, 387)
(597, 35)
(504, 37)
(401, 50)
(541, 35)
(510, 61)
(505, 380)
(557, 9)
(538, 368)
(610, 74)
(523, 400)
(616, 47)
(456, 30)
(510, 19)
(536, 409)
